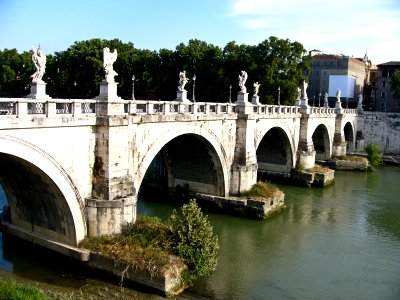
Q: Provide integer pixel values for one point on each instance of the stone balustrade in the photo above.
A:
(20, 107)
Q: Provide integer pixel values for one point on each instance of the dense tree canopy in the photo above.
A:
(76, 72)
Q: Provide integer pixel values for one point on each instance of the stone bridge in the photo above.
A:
(73, 168)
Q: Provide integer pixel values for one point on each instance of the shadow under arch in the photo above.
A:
(274, 153)
(321, 141)
(42, 197)
(349, 136)
(195, 158)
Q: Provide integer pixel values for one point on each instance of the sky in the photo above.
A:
(348, 27)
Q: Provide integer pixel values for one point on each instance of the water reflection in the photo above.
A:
(342, 241)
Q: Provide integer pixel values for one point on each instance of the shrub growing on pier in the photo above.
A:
(194, 240)
(149, 244)
(373, 155)
(263, 190)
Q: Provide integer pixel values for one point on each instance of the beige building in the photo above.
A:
(324, 65)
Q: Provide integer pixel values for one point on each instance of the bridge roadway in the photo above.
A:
(72, 168)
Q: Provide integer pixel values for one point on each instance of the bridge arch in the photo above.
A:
(197, 142)
(348, 131)
(275, 153)
(322, 142)
(43, 199)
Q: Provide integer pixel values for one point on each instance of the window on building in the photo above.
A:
(373, 83)
(384, 73)
(383, 84)
(398, 104)
(382, 104)
(383, 95)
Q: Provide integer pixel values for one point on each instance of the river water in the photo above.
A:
(340, 242)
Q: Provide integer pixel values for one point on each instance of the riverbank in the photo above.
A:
(90, 288)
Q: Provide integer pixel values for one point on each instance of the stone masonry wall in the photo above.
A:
(383, 130)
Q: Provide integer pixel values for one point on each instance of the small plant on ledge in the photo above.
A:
(263, 190)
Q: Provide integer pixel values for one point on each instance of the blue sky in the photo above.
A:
(349, 27)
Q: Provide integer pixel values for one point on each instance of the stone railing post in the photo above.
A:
(76, 107)
(51, 109)
(150, 108)
(21, 108)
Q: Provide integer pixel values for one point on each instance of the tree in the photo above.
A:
(395, 84)
(196, 243)
(76, 72)
(15, 73)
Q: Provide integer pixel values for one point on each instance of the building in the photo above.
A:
(382, 97)
(331, 72)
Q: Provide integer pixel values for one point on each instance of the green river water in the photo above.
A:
(340, 242)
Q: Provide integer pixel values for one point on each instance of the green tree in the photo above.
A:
(196, 243)
(395, 84)
(76, 72)
(373, 155)
(15, 72)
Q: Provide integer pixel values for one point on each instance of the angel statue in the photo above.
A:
(182, 81)
(304, 91)
(256, 86)
(338, 95)
(39, 59)
(109, 58)
(242, 81)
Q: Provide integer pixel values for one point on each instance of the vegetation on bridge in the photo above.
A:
(77, 71)
(186, 238)
(263, 190)
(373, 155)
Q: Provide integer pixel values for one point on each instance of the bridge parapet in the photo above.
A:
(21, 107)
(350, 111)
(175, 107)
(322, 110)
(276, 109)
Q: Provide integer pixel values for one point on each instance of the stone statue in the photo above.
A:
(305, 85)
(338, 95)
(326, 104)
(39, 59)
(108, 60)
(256, 86)
(182, 81)
(360, 100)
(298, 93)
(242, 81)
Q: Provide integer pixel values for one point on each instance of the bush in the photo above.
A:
(263, 190)
(373, 155)
(195, 241)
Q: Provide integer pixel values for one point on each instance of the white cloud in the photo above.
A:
(338, 26)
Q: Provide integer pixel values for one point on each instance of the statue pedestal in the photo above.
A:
(242, 98)
(182, 96)
(243, 104)
(297, 102)
(108, 101)
(255, 100)
(108, 91)
(38, 91)
(304, 102)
